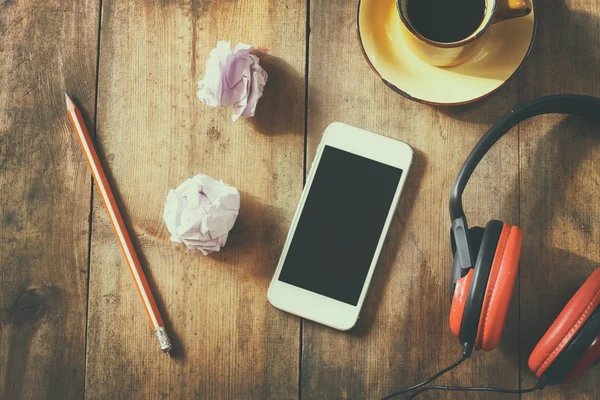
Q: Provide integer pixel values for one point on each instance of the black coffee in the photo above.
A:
(445, 21)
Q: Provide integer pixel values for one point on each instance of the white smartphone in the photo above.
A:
(340, 225)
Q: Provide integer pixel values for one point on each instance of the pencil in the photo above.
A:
(87, 146)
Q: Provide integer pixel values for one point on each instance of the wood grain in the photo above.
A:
(44, 196)
(559, 180)
(403, 334)
(153, 132)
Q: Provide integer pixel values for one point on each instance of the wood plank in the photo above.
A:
(403, 334)
(45, 48)
(154, 133)
(559, 180)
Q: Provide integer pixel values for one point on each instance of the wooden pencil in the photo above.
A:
(87, 146)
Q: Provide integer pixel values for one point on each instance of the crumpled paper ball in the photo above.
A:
(201, 212)
(233, 78)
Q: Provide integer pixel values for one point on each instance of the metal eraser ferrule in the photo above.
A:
(163, 340)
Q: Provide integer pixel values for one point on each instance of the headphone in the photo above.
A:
(485, 268)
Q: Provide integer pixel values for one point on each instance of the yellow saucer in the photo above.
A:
(384, 47)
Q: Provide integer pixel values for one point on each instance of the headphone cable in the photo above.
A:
(476, 389)
(429, 380)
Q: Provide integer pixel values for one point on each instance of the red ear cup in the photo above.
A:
(500, 288)
(461, 290)
(459, 299)
(566, 325)
(587, 361)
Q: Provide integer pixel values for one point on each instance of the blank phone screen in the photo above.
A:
(340, 225)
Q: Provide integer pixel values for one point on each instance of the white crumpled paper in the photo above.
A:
(233, 77)
(201, 212)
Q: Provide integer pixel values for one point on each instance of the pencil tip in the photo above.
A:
(68, 100)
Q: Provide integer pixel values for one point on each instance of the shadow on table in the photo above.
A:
(178, 351)
(281, 108)
(560, 271)
(257, 236)
(389, 251)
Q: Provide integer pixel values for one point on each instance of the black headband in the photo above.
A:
(584, 106)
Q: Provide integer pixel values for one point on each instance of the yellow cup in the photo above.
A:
(444, 54)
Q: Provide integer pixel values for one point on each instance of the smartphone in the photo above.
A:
(340, 225)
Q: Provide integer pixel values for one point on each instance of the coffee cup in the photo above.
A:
(444, 33)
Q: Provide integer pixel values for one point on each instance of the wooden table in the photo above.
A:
(71, 323)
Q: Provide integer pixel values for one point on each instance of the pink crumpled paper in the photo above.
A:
(201, 212)
(233, 77)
